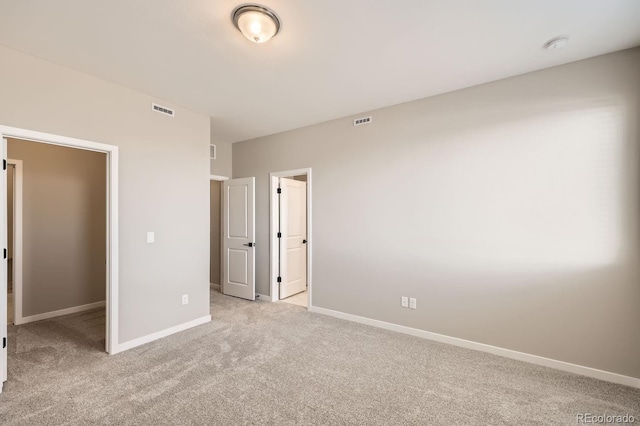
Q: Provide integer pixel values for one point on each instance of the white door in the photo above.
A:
(293, 237)
(238, 238)
(3, 268)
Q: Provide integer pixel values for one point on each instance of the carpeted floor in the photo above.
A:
(275, 363)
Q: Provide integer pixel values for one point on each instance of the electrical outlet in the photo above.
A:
(413, 303)
(185, 299)
(405, 302)
(151, 237)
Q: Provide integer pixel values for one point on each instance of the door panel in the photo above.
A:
(293, 226)
(238, 238)
(238, 266)
(3, 261)
(295, 264)
(238, 203)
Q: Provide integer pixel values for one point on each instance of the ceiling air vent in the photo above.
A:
(163, 110)
(362, 120)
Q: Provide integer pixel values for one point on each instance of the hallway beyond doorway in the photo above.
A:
(299, 299)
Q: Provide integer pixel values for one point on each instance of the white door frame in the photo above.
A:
(273, 229)
(17, 240)
(219, 179)
(111, 151)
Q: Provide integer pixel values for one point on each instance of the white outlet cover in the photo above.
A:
(413, 303)
(404, 302)
(151, 237)
(185, 299)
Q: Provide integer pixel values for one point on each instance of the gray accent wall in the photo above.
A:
(221, 166)
(163, 182)
(64, 226)
(509, 210)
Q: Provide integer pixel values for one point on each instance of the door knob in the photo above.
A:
(250, 244)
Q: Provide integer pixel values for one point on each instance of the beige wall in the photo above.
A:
(509, 210)
(64, 226)
(215, 228)
(221, 166)
(163, 182)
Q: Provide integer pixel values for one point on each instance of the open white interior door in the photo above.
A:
(293, 237)
(3, 261)
(238, 238)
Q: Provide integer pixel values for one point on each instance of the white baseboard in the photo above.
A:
(263, 297)
(58, 313)
(120, 347)
(507, 353)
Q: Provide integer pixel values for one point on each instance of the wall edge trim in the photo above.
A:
(121, 347)
(495, 350)
(59, 312)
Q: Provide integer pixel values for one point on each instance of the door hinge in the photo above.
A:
(5, 253)
(4, 164)
(279, 190)
(4, 342)
(279, 234)
(279, 279)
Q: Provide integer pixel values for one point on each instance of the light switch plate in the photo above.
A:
(404, 302)
(151, 237)
(413, 303)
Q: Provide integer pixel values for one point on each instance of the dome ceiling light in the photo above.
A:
(557, 43)
(257, 23)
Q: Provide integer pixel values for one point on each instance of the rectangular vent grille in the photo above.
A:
(212, 152)
(163, 110)
(363, 120)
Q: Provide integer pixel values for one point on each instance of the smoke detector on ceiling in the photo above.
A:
(557, 43)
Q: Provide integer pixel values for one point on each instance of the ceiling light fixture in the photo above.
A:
(257, 23)
(557, 43)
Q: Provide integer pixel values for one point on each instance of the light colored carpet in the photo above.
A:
(274, 363)
(299, 299)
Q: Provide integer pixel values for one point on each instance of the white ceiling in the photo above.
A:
(332, 58)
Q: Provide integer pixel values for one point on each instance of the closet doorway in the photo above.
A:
(291, 237)
(215, 231)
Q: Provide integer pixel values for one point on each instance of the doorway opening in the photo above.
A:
(11, 228)
(58, 268)
(14, 240)
(69, 237)
(290, 235)
(215, 231)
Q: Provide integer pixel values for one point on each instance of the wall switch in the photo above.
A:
(413, 303)
(405, 302)
(151, 237)
(185, 299)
